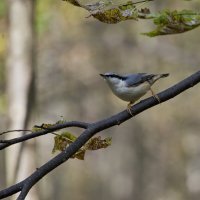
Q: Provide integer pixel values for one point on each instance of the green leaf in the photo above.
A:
(108, 12)
(62, 141)
(174, 22)
(69, 136)
(37, 128)
(115, 15)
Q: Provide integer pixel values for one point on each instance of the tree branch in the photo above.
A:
(7, 143)
(91, 129)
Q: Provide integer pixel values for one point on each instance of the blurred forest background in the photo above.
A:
(155, 155)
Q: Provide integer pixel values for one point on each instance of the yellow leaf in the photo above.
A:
(96, 143)
(62, 141)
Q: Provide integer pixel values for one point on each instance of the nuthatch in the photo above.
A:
(132, 87)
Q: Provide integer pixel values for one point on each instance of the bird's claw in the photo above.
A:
(155, 95)
(129, 108)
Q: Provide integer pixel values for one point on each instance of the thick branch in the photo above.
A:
(94, 128)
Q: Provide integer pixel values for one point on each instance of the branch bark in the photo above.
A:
(90, 130)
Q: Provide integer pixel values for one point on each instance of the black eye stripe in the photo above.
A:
(116, 76)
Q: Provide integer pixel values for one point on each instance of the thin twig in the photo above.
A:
(142, 1)
(50, 129)
(18, 130)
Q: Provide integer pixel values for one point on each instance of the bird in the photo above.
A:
(131, 87)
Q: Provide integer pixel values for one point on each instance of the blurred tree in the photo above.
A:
(20, 88)
(2, 84)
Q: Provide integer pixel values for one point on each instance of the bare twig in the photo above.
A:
(6, 143)
(18, 130)
(145, 1)
(91, 129)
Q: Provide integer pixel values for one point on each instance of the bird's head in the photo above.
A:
(112, 78)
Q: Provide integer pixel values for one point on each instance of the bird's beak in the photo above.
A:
(102, 75)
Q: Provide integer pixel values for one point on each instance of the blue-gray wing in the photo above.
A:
(136, 79)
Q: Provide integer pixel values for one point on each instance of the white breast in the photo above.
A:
(130, 94)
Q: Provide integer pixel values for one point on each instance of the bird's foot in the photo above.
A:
(155, 95)
(129, 108)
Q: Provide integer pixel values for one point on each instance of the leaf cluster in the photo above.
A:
(62, 141)
(173, 22)
(166, 21)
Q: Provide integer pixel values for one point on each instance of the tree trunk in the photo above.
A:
(20, 76)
